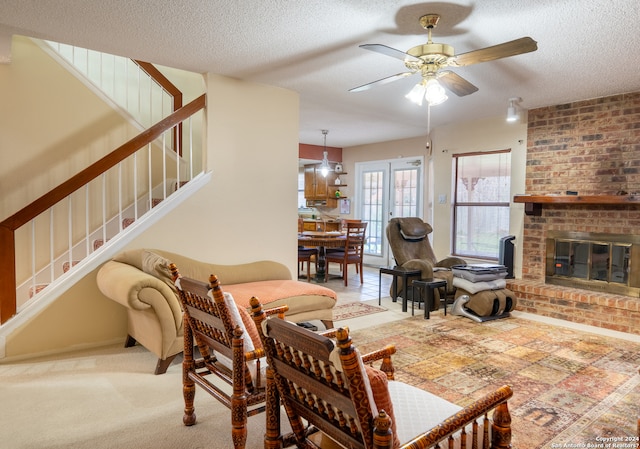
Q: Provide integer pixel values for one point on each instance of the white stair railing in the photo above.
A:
(81, 223)
(58, 237)
(124, 81)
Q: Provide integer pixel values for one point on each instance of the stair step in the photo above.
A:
(156, 201)
(66, 266)
(34, 290)
(97, 243)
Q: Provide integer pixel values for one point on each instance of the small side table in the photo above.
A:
(429, 285)
(398, 272)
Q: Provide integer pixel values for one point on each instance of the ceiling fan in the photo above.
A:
(429, 59)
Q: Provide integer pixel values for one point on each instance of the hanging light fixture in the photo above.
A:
(512, 110)
(325, 168)
(430, 90)
(416, 95)
(435, 93)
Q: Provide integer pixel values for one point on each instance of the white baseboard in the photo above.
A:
(577, 326)
(57, 351)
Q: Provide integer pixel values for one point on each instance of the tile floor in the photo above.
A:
(367, 291)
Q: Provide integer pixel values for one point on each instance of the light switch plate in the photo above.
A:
(442, 199)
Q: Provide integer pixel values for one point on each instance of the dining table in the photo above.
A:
(322, 240)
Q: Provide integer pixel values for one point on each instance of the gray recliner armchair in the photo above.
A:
(409, 241)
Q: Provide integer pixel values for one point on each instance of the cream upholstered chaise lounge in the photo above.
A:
(140, 280)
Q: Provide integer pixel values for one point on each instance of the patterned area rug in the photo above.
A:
(571, 389)
(354, 310)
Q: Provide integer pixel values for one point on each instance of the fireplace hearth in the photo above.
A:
(591, 147)
(594, 261)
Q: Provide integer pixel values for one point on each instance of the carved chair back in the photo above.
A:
(226, 353)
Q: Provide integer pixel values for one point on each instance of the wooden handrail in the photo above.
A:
(172, 90)
(167, 85)
(28, 213)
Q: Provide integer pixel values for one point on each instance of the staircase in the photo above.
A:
(97, 240)
(67, 232)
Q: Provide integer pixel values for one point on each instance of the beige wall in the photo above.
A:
(481, 135)
(381, 151)
(80, 318)
(247, 212)
(51, 126)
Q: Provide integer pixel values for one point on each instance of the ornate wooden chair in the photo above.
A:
(227, 358)
(326, 387)
(353, 252)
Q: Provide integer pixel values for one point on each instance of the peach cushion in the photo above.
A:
(250, 327)
(380, 389)
(273, 290)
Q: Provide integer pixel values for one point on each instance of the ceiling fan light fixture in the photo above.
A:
(416, 95)
(325, 168)
(512, 110)
(435, 93)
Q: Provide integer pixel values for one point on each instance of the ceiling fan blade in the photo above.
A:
(389, 51)
(456, 84)
(379, 82)
(511, 48)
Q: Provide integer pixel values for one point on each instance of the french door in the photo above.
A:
(383, 190)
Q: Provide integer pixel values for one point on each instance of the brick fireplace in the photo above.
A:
(591, 147)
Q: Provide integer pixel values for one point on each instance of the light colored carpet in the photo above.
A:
(107, 398)
(569, 387)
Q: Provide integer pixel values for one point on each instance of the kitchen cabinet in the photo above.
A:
(320, 190)
(319, 225)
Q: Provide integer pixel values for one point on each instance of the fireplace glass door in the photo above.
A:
(607, 262)
(595, 261)
(620, 257)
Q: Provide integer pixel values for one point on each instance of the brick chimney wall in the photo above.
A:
(592, 147)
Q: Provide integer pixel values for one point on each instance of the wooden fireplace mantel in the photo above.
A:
(533, 203)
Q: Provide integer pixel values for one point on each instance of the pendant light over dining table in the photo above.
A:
(325, 168)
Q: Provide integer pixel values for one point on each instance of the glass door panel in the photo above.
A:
(385, 190)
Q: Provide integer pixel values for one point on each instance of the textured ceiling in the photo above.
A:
(586, 49)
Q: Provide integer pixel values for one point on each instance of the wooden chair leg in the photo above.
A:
(328, 324)
(129, 342)
(272, 437)
(345, 269)
(163, 364)
(238, 398)
(188, 385)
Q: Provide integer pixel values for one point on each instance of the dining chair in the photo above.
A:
(353, 252)
(306, 254)
(343, 227)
